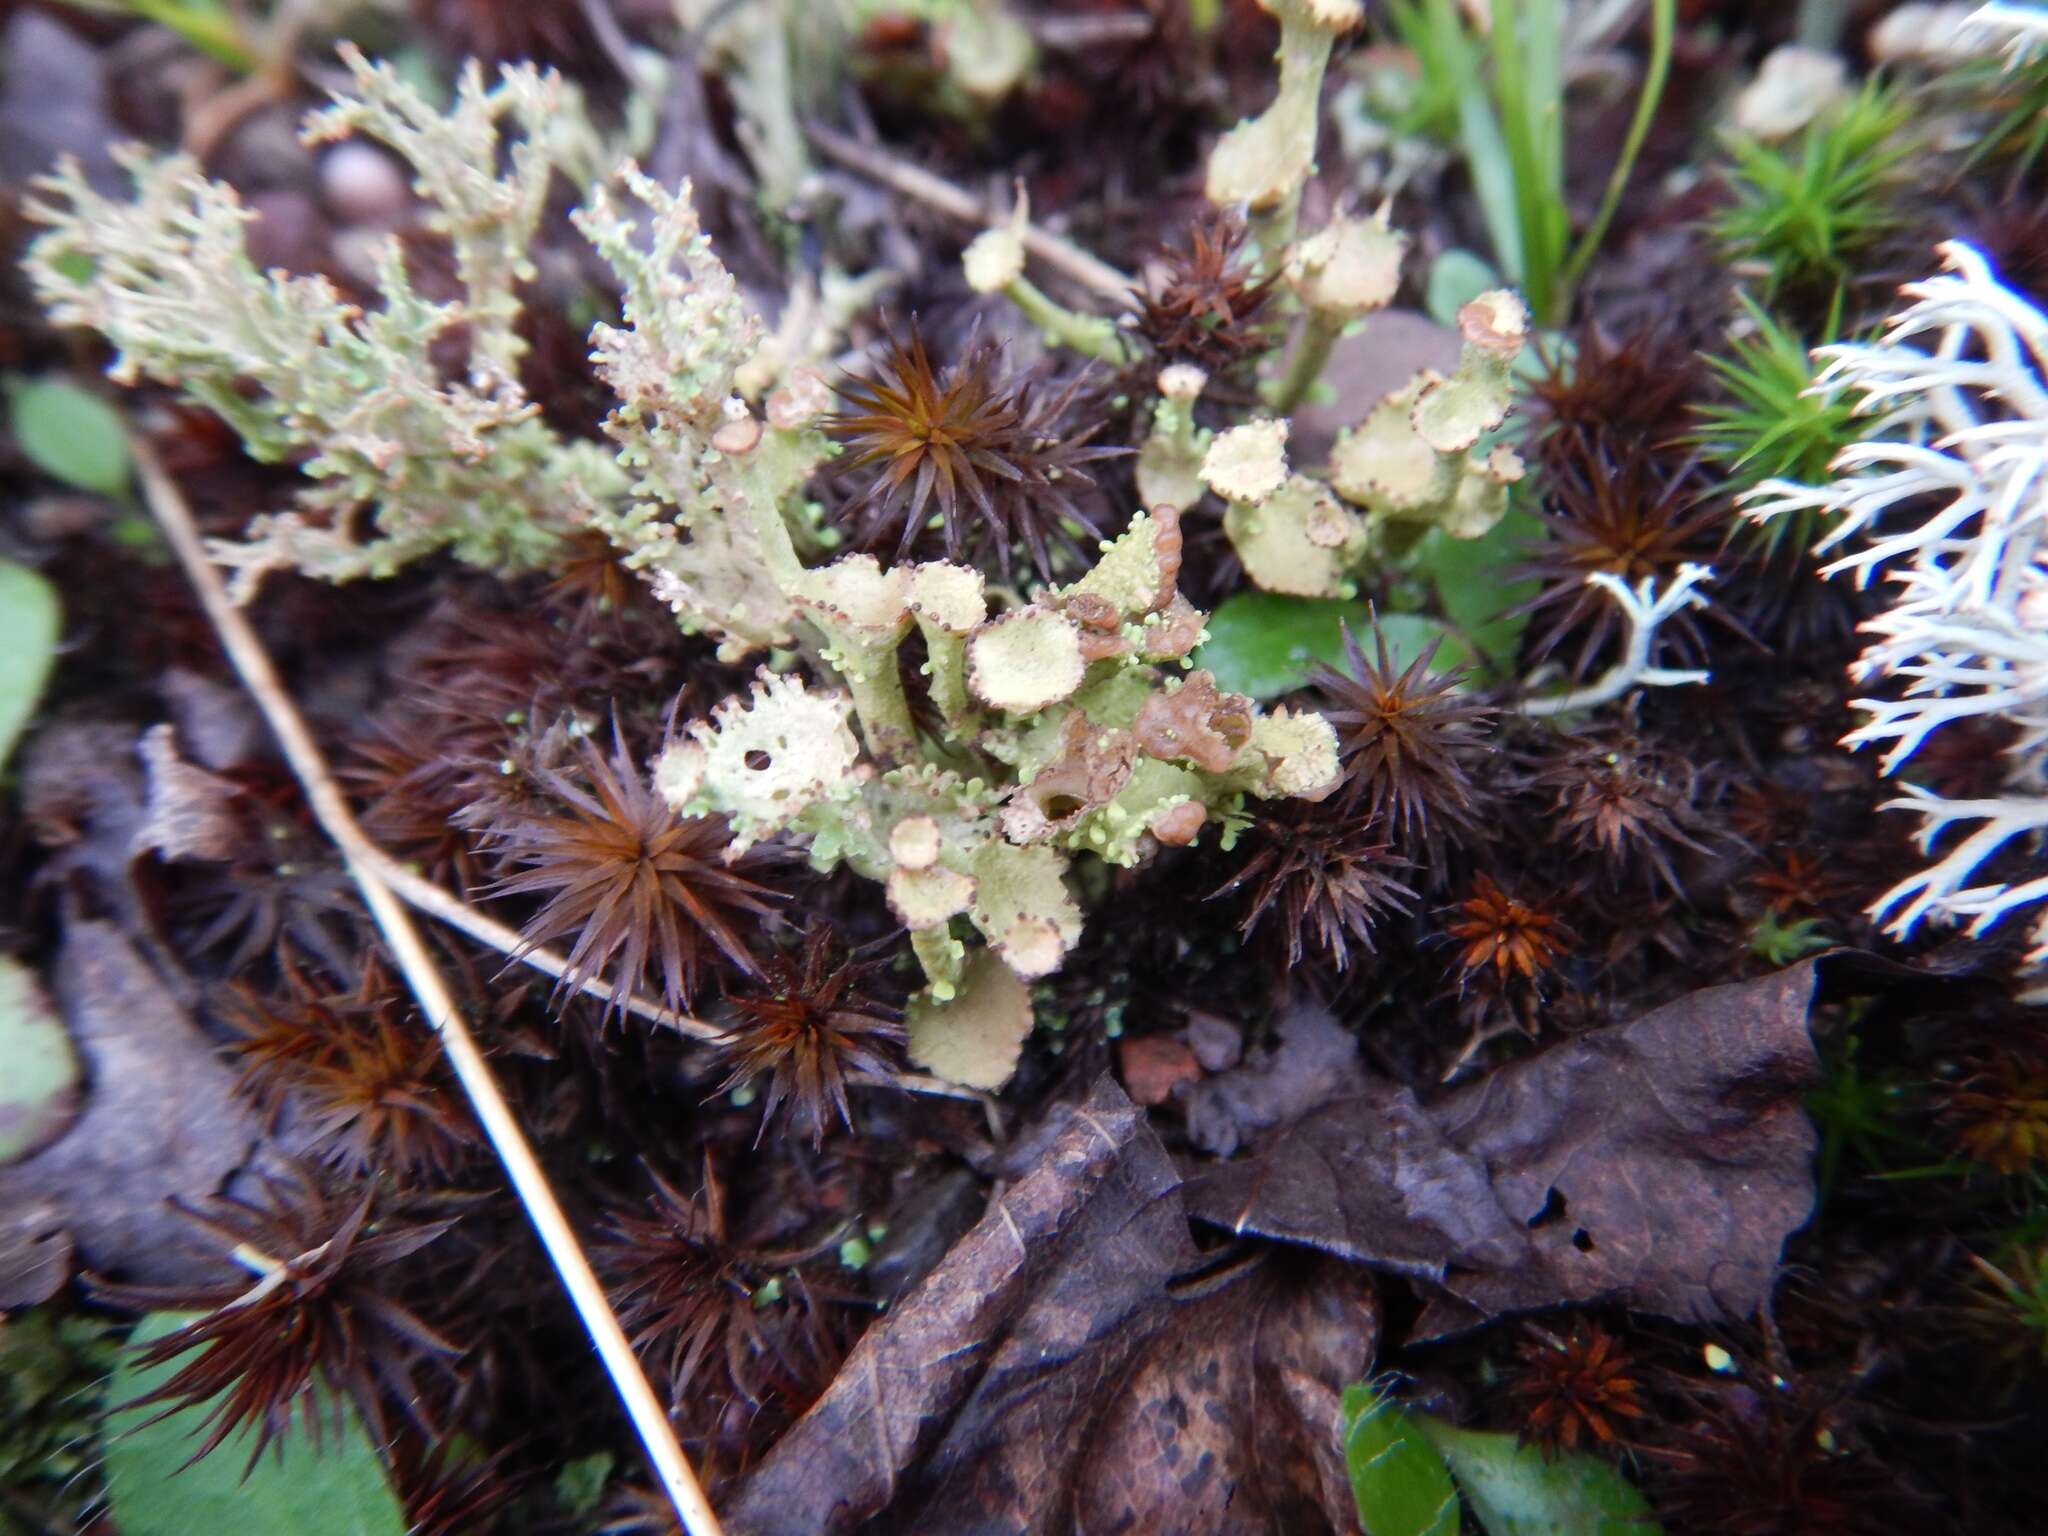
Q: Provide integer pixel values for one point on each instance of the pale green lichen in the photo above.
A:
(1300, 542)
(1247, 463)
(1264, 161)
(706, 523)
(1026, 660)
(1062, 722)
(358, 397)
(1169, 463)
(763, 759)
(972, 1034)
(1409, 461)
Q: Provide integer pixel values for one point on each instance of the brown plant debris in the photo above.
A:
(1071, 1364)
(161, 1120)
(1660, 1164)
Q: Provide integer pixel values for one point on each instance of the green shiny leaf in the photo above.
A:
(1473, 588)
(580, 1483)
(1514, 1491)
(39, 1087)
(70, 434)
(28, 644)
(1456, 278)
(334, 1486)
(1398, 1478)
(1265, 645)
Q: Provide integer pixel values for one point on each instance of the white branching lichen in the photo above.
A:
(1947, 501)
(1644, 609)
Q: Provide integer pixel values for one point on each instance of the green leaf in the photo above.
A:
(28, 644)
(1265, 645)
(1456, 278)
(39, 1089)
(71, 434)
(1399, 1480)
(206, 24)
(580, 1483)
(1515, 1492)
(1472, 585)
(336, 1487)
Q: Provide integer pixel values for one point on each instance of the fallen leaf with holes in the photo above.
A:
(1070, 1366)
(1660, 1164)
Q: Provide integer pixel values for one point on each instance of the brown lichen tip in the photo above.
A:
(1093, 765)
(1248, 463)
(1497, 322)
(1195, 723)
(1025, 660)
(1179, 825)
(739, 434)
(1172, 632)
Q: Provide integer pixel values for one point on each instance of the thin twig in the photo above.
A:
(250, 659)
(935, 191)
(446, 907)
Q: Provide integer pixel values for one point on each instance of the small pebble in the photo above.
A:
(1153, 1066)
(285, 230)
(362, 184)
(1217, 1043)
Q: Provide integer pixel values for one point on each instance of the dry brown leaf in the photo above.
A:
(1069, 1367)
(1660, 1164)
